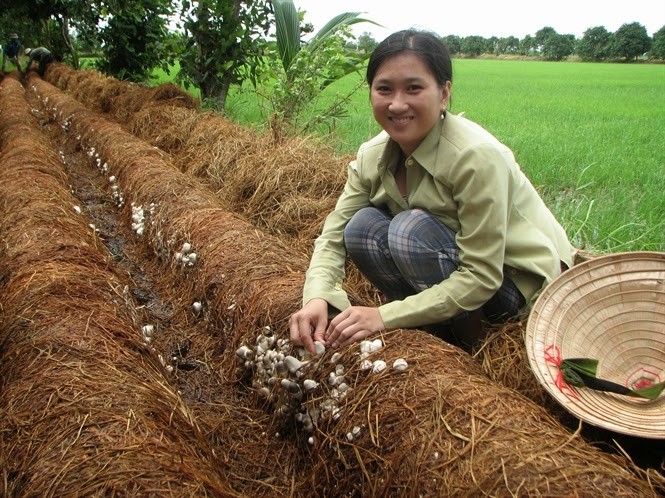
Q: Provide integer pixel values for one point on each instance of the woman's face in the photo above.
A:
(407, 100)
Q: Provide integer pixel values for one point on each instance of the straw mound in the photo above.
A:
(109, 95)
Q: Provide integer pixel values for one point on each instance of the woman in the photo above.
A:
(435, 212)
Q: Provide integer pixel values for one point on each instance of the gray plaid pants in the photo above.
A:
(413, 251)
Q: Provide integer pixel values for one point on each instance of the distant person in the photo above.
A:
(436, 213)
(41, 55)
(11, 51)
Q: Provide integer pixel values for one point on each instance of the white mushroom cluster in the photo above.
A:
(138, 219)
(185, 256)
(280, 375)
(283, 374)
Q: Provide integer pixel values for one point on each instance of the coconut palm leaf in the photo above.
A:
(331, 27)
(287, 33)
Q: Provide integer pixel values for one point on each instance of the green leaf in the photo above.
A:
(331, 27)
(287, 33)
(587, 366)
(581, 372)
(651, 392)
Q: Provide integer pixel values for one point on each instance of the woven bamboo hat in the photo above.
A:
(612, 309)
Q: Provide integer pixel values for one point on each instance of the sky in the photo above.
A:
(487, 18)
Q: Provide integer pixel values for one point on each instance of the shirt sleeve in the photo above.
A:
(326, 271)
(480, 181)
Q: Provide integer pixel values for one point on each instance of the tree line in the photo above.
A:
(630, 42)
(216, 44)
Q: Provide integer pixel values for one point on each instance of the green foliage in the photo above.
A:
(542, 35)
(366, 43)
(595, 44)
(473, 46)
(223, 45)
(528, 45)
(51, 37)
(293, 95)
(556, 47)
(631, 41)
(658, 46)
(508, 45)
(133, 39)
(454, 44)
(298, 72)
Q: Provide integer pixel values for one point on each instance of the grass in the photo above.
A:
(589, 136)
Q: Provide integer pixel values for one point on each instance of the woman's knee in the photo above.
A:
(363, 220)
(423, 230)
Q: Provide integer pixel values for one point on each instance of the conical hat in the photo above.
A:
(612, 309)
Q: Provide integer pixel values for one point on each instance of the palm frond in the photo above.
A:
(287, 27)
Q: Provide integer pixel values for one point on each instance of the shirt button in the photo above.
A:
(409, 162)
(338, 286)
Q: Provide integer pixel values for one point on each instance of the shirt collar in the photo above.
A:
(425, 154)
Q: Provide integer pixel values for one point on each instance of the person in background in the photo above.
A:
(436, 213)
(11, 51)
(41, 55)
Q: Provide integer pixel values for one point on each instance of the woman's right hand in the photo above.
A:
(309, 324)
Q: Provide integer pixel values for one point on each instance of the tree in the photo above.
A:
(527, 45)
(454, 44)
(133, 39)
(658, 46)
(509, 45)
(223, 45)
(557, 47)
(492, 45)
(47, 22)
(473, 45)
(542, 35)
(630, 41)
(366, 43)
(594, 44)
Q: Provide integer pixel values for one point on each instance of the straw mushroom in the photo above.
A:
(400, 364)
(378, 366)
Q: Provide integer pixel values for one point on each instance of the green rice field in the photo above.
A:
(591, 137)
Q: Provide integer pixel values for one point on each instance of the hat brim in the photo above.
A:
(610, 308)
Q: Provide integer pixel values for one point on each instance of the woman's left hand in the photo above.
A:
(352, 325)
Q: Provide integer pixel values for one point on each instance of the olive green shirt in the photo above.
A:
(471, 182)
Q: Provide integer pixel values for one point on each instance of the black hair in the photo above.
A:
(424, 44)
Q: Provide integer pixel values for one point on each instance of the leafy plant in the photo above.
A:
(298, 72)
(133, 39)
(223, 45)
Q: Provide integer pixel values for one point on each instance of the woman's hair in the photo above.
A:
(428, 46)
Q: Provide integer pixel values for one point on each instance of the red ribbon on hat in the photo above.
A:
(553, 357)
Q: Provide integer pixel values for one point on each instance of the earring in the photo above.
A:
(443, 113)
